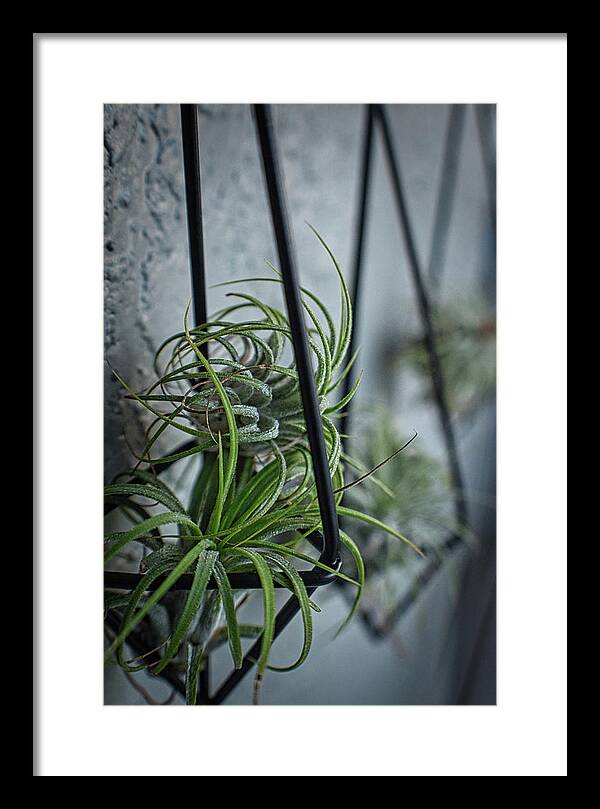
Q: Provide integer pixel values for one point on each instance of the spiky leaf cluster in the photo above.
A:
(253, 502)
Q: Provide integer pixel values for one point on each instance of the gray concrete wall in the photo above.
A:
(147, 287)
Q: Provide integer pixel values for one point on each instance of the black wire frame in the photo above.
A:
(376, 116)
(329, 538)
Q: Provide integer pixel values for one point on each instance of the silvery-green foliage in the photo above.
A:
(253, 503)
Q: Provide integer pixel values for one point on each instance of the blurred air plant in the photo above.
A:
(465, 336)
(413, 491)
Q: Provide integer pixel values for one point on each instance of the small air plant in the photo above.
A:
(253, 502)
(413, 491)
(466, 343)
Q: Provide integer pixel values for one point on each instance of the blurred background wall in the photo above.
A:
(443, 650)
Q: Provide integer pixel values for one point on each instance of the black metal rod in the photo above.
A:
(284, 616)
(355, 288)
(190, 138)
(361, 226)
(312, 416)
(203, 695)
(329, 522)
(120, 580)
(113, 620)
(485, 128)
(422, 579)
(424, 307)
(446, 193)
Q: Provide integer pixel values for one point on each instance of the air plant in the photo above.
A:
(253, 504)
(413, 491)
(466, 342)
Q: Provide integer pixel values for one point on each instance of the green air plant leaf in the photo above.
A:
(299, 590)
(228, 385)
(196, 660)
(204, 568)
(233, 628)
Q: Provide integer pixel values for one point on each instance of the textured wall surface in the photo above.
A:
(147, 288)
(146, 265)
(145, 248)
